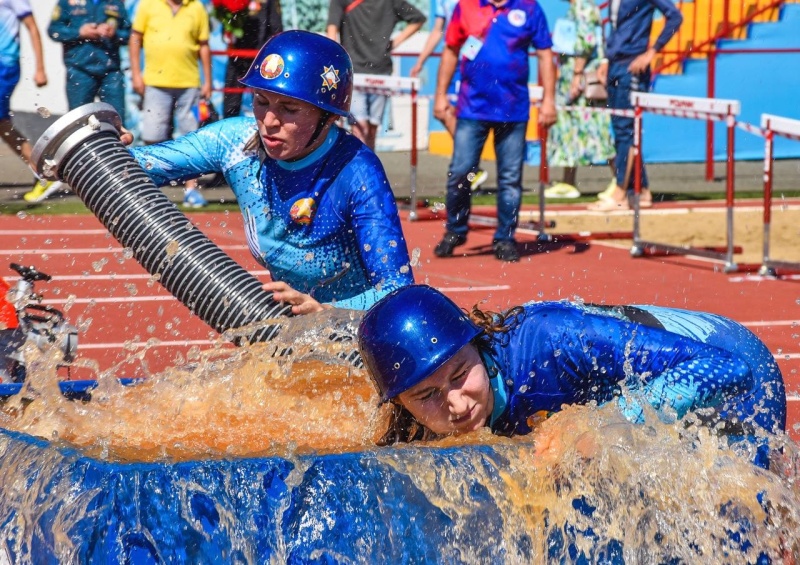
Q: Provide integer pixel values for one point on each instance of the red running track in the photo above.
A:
(118, 309)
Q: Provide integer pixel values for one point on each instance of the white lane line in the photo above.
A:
(475, 288)
(769, 323)
(762, 278)
(53, 232)
(87, 250)
(138, 344)
(109, 300)
(113, 277)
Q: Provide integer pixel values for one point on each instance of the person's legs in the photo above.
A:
(112, 91)
(9, 77)
(467, 145)
(156, 114)
(509, 146)
(81, 87)
(620, 85)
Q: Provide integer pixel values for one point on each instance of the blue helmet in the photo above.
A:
(306, 66)
(409, 334)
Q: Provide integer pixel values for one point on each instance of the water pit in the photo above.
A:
(248, 458)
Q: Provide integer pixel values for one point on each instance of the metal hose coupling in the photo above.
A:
(83, 149)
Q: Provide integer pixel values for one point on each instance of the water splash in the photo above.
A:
(282, 435)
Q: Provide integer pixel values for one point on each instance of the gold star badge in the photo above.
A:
(330, 77)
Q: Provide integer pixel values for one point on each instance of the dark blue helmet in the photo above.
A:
(409, 334)
(306, 66)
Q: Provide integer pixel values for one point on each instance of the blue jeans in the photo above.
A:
(621, 82)
(83, 87)
(509, 147)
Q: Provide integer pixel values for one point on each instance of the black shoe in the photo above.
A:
(449, 242)
(506, 250)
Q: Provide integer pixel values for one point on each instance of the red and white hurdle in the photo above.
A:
(389, 85)
(771, 126)
(708, 109)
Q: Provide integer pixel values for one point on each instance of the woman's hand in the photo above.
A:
(301, 303)
(575, 87)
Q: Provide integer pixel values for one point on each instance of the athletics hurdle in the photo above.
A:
(389, 85)
(709, 109)
(784, 127)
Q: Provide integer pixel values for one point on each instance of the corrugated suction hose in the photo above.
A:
(83, 149)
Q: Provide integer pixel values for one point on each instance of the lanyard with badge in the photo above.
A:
(473, 44)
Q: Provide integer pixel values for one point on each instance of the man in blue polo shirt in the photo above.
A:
(628, 70)
(491, 38)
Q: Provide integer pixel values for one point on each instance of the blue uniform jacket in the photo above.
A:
(631, 35)
(562, 353)
(327, 224)
(93, 56)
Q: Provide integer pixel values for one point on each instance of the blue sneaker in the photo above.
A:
(193, 199)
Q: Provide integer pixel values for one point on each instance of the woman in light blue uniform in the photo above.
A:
(318, 209)
(447, 372)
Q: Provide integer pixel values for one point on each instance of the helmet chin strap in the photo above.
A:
(323, 119)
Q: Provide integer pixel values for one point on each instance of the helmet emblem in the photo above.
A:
(302, 211)
(330, 77)
(271, 66)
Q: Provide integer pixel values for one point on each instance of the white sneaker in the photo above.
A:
(562, 190)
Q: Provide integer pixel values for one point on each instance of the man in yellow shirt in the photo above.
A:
(174, 34)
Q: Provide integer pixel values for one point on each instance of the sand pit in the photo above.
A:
(696, 227)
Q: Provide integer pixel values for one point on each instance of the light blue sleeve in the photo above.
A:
(212, 149)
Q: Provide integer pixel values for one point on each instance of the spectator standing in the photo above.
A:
(628, 70)
(262, 21)
(579, 138)
(91, 34)
(364, 28)
(443, 14)
(174, 36)
(12, 13)
(491, 38)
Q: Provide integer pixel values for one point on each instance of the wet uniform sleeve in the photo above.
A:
(190, 156)
(382, 247)
(666, 370)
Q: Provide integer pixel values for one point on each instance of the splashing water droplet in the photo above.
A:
(43, 112)
(22, 214)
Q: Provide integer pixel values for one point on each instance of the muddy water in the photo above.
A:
(585, 482)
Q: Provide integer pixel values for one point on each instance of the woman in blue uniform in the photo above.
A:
(448, 373)
(318, 209)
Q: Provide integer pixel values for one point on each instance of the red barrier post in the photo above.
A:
(710, 88)
(730, 175)
(769, 148)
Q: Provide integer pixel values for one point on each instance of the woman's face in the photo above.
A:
(286, 125)
(455, 399)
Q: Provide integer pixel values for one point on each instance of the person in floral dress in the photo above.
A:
(579, 137)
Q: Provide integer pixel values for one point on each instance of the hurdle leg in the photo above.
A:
(766, 269)
(412, 214)
(637, 250)
(730, 265)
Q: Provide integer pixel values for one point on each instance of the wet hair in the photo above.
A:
(403, 427)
